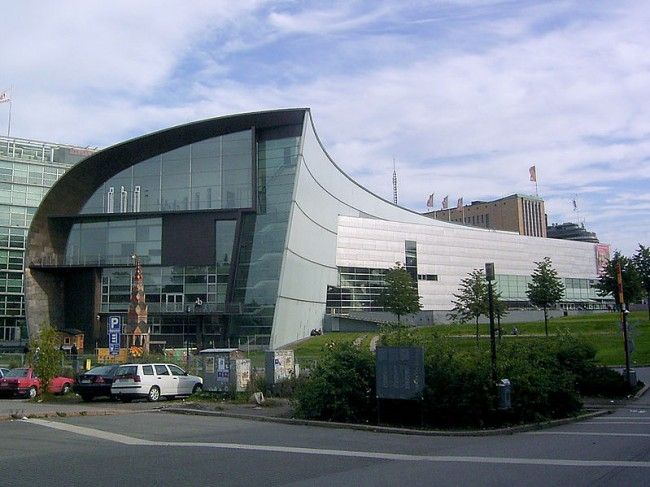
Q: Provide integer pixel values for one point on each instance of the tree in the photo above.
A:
(545, 288)
(400, 296)
(642, 263)
(472, 300)
(608, 283)
(45, 356)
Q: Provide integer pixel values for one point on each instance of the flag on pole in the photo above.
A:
(575, 205)
(460, 202)
(4, 96)
(533, 173)
(445, 202)
(430, 201)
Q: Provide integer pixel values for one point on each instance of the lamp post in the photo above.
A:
(489, 275)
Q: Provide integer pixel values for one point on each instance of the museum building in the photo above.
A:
(247, 232)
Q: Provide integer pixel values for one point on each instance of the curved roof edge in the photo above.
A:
(425, 220)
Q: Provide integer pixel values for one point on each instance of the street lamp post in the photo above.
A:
(489, 275)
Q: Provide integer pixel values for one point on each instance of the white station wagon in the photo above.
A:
(133, 381)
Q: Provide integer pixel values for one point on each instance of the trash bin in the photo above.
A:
(631, 380)
(504, 390)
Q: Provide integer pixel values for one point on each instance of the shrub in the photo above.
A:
(340, 388)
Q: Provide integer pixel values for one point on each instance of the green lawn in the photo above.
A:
(602, 330)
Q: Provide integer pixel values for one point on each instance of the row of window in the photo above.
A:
(476, 220)
(11, 259)
(13, 237)
(16, 216)
(35, 174)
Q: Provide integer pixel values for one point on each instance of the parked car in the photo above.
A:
(151, 381)
(3, 371)
(23, 381)
(96, 382)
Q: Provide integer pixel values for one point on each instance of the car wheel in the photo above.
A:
(86, 398)
(154, 394)
(65, 389)
(31, 392)
(197, 388)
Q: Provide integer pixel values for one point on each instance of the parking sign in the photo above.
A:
(114, 334)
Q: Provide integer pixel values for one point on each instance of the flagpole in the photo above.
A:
(9, 121)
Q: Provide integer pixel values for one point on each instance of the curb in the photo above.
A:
(390, 429)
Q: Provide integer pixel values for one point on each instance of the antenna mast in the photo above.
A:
(394, 182)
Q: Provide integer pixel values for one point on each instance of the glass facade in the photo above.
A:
(358, 290)
(27, 170)
(262, 235)
(213, 174)
(577, 291)
(242, 183)
(114, 242)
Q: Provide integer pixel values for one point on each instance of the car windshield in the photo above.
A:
(105, 370)
(17, 373)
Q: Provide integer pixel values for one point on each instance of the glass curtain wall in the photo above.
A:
(214, 174)
(262, 235)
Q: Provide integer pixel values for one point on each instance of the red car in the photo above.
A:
(23, 381)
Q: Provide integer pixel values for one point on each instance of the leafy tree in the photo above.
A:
(642, 263)
(545, 288)
(45, 356)
(400, 296)
(472, 300)
(608, 283)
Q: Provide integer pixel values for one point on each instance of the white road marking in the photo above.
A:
(620, 421)
(587, 433)
(127, 440)
(93, 433)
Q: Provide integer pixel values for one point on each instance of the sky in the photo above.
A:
(463, 95)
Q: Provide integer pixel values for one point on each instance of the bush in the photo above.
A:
(341, 387)
(542, 387)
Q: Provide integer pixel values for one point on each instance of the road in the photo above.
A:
(157, 449)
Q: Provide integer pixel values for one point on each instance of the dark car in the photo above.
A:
(96, 382)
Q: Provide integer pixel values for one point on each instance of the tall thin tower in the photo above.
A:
(394, 182)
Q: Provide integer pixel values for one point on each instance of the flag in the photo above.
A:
(533, 173)
(575, 205)
(460, 202)
(445, 202)
(430, 201)
(4, 96)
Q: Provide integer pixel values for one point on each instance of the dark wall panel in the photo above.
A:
(188, 239)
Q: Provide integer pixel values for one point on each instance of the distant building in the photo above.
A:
(571, 231)
(515, 213)
(27, 171)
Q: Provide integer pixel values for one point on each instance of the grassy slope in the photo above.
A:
(602, 330)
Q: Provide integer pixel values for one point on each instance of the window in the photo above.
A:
(110, 200)
(176, 370)
(147, 370)
(161, 370)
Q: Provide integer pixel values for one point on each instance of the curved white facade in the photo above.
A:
(337, 223)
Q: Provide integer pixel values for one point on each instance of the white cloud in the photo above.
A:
(465, 98)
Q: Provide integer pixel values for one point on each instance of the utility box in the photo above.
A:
(504, 393)
(279, 366)
(225, 369)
